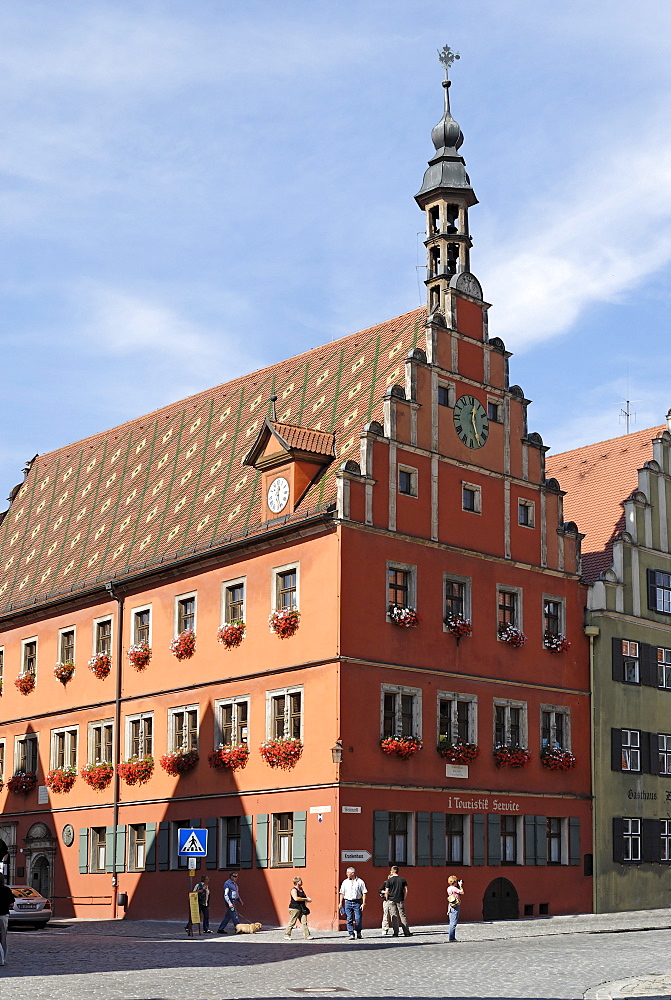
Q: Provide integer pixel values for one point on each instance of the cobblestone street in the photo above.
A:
(564, 957)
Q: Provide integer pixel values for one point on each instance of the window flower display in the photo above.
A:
(61, 779)
(100, 665)
(136, 770)
(64, 671)
(232, 633)
(401, 746)
(555, 642)
(179, 761)
(139, 655)
(97, 776)
(404, 617)
(22, 783)
(458, 626)
(284, 622)
(459, 752)
(229, 757)
(512, 635)
(556, 759)
(511, 756)
(184, 645)
(284, 752)
(25, 682)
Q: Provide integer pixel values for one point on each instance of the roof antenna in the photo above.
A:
(626, 414)
(273, 409)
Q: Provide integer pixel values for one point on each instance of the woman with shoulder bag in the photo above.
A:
(298, 910)
(455, 892)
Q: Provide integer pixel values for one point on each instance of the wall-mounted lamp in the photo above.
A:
(336, 752)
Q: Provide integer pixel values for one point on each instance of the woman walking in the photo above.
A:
(455, 892)
(298, 910)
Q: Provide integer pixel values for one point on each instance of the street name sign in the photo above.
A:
(355, 856)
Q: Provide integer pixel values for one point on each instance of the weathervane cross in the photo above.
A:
(446, 57)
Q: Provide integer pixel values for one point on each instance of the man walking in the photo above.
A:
(231, 900)
(353, 898)
(203, 890)
(396, 890)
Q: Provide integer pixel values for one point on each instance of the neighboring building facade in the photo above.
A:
(388, 471)
(619, 491)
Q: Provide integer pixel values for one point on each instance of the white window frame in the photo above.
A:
(172, 712)
(664, 667)
(530, 506)
(276, 693)
(412, 582)
(275, 584)
(131, 622)
(400, 689)
(94, 853)
(466, 846)
(18, 739)
(414, 480)
(61, 632)
(137, 716)
(454, 697)
(562, 710)
(411, 838)
(92, 726)
(183, 597)
(68, 732)
(519, 607)
(240, 581)
(509, 703)
(664, 751)
(665, 846)
(24, 643)
(632, 748)
(94, 633)
(132, 848)
(519, 842)
(631, 835)
(467, 584)
(220, 703)
(477, 490)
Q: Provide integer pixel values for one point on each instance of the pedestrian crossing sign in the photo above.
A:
(191, 843)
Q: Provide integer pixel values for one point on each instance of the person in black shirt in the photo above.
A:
(6, 904)
(396, 889)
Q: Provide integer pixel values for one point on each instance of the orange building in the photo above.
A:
(421, 694)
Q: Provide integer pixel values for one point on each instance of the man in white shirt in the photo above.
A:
(353, 899)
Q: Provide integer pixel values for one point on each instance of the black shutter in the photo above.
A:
(653, 752)
(618, 839)
(644, 740)
(652, 590)
(648, 664)
(618, 660)
(616, 749)
(651, 840)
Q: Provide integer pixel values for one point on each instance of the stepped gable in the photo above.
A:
(598, 479)
(172, 483)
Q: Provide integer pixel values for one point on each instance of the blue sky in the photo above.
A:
(189, 191)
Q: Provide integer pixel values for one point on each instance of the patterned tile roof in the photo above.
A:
(598, 479)
(172, 482)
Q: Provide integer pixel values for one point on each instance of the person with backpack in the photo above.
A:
(395, 890)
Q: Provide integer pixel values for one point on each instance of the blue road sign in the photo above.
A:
(192, 843)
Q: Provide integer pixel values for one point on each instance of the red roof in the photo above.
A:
(304, 439)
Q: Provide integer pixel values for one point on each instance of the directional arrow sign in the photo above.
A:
(192, 843)
(355, 856)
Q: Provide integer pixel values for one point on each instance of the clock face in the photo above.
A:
(470, 421)
(278, 494)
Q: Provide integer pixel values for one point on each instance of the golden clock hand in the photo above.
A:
(475, 429)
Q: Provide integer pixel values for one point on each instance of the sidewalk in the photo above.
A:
(653, 987)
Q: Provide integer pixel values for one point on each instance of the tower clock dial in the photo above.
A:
(278, 494)
(470, 421)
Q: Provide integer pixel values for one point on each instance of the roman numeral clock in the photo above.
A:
(470, 421)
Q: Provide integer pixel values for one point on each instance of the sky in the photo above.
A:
(190, 191)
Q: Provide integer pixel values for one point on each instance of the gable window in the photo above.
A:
(407, 481)
(67, 646)
(140, 735)
(457, 717)
(25, 754)
(510, 724)
(401, 711)
(664, 668)
(185, 613)
(554, 728)
(98, 845)
(100, 742)
(631, 750)
(659, 591)
(103, 636)
(286, 588)
(525, 513)
(234, 601)
(631, 673)
(471, 498)
(631, 833)
(509, 607)
(664, 753)
(137, 840)
(399, 833)
(183, 728)
(283, 837)
(64, 748)
(141, 626)
(230, 842)
(457, 596)
(285, 718)
(231, 721)
(29, 658)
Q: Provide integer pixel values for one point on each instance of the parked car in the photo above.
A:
(29, 908)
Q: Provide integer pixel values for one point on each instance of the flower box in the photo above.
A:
(284, 622)
(184, 645)
(229, 757)
(97, 776)
(179, 761)
(401, 746)
(511, 635)
(457, 625)
(136, 770)
(231, 634)
(22, 783)
(511, 756)
(283, 753)
(100, 665)
(459, 752)
(555, 642)
(64, 671)
(403, 617)
(556, 759)
(139, 655)
(61, 779)
(25, 682)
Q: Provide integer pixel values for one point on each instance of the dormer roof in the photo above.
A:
(295, 441)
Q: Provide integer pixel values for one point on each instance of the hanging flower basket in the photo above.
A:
(229, 757)
(556, 759)
(404, 617)
(458, 626)
(511, 635)
(511, 756)
(100, 665)
(402, 746)
(97, 776)
(231, 634)
(184, 645)
(25, 682)
(555, 642)
(139, 655)
(284, 622)
(61, 779)
(136, 770)
(283, 753)
(179, 761)
(459, 752)
(22, 783)
(64, 671)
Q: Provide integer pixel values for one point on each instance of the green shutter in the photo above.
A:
(211, 827)
(300, 825)
(150, 859)
(437, 838)
(478, 827)
(574, 840)
(120, 862)
(163, 846)
(493, 839)
(530, 840)
(83, 851)
(109, 848)
(262, 840)
(541, 840)
(381, 837)
(423, 856)
(246, 843)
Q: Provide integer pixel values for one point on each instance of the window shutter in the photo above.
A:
(618, 660)
(163, 845)
(437, 838)
(300, 825)
(109, 848)
(83, 851)
(478, 825)
(423, 855)
(530, 840)
(541, 840)
(652, 590)
(648, 664)
(246, 844)
(618, 839)
(616, 749)
(652, 740)
(211, 826)
(262, 840)
(644, 740)
(574, 840)
(651, 840)
(493, 839)
(150, 859)
(120, 865)
(381, 837)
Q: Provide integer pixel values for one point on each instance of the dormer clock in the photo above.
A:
(278, 495)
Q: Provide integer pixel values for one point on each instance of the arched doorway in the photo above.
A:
(40, 876)
(500, 901)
